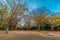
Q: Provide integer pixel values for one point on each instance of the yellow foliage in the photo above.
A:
(54, 20)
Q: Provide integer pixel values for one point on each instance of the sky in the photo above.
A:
(53, 5)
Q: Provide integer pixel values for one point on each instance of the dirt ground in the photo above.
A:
(29, 35)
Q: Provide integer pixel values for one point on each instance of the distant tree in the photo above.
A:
(17, 10)
(40, 15)
(54, 21)
(27, 20)
(4, 16)
(3, 10)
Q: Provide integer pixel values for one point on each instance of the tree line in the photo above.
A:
(9, 18)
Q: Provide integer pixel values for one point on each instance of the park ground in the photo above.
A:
(30, 35)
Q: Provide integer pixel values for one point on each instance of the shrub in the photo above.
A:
(33, 28)
(2, 28)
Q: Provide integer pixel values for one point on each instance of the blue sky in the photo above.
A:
(53, 5)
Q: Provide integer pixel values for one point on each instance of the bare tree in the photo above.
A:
(39, 15)
(16, 10)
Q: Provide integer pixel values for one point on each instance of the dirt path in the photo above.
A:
(42, 33)
(29, 35)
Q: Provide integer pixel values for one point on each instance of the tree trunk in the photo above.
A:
(12, 26)
(39, 28)
(7, 30)
(52, 28)
(1, 18)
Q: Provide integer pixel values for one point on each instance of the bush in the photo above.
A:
(47, 27)
(21, 28)
(24, 28)
(33, 28)
(2, 28)
(18, 28)
(56, 28)
(27, 28)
